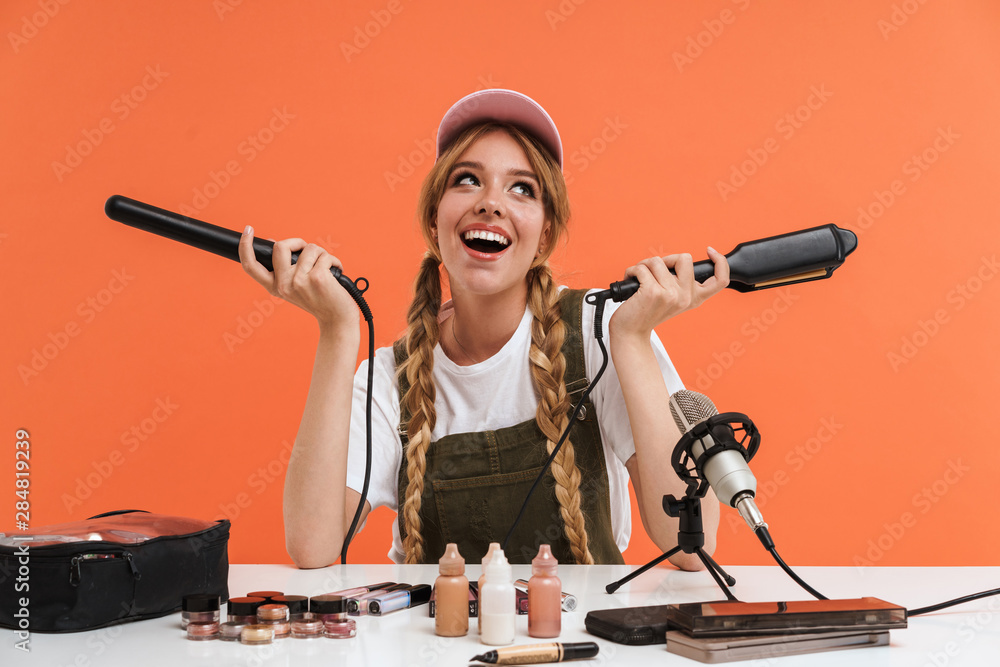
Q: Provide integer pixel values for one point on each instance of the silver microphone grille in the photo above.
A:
(690, 408)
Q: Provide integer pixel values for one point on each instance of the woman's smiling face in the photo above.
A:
(491, 218)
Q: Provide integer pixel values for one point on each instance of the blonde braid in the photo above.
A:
(418, 369)
(548, 366)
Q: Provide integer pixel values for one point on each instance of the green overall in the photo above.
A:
(475, 483)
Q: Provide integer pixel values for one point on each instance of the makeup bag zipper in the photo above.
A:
(76, 561)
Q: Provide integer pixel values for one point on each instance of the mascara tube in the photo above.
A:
(568, 599)
(411, 597)
(522, 655)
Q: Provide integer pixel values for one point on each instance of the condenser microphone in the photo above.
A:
(709, 441)
(775, 261)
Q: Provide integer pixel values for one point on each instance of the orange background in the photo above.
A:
(867, 458)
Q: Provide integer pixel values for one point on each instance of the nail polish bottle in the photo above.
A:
(482, 579)
(544, 596)
(451, 594)
(496, 602)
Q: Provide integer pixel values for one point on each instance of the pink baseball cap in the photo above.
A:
(504, 106)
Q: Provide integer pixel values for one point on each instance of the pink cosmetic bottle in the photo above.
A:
(544, 596)
(451, 595)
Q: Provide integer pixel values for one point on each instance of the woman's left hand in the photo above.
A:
(663, 295)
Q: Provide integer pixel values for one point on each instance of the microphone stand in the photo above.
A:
(688, 464)
(690, 540)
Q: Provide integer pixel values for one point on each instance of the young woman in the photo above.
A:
(469, 403)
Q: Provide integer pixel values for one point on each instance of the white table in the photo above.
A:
(965, 635)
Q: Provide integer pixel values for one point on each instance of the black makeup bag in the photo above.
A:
(112, 568)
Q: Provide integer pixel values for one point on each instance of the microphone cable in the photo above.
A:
(598, 300)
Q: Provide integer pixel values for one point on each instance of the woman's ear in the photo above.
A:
(543, 240)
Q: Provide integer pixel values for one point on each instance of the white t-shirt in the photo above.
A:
(490, 395)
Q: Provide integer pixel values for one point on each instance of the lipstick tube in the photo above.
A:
(361, 590)
(411, 597)
(569, 600)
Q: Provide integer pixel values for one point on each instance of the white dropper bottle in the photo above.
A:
(496, 602)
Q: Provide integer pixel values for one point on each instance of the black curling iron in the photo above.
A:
(204, 236)
(225, 243)
(796, 257)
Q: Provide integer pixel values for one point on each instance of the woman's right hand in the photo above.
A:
(308, 283)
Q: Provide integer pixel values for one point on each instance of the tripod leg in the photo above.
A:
(729, 580)
(711, 567)
(614, 586)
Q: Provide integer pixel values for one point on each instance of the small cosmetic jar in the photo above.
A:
(254, 635)
(332, 610)
(243, 610)
(230, 632)
(309, 628)
(267, 595)
(199, 608)
(275, 615)
(203, 631)
(298, 606)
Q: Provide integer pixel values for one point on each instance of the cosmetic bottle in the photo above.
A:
(203, 631)
(230, 632)
(255, 635)
(544, 596)
(298, 606)
(496, 602)
(332, 610)
(199, 608)
(267, 595)
(451, 594)
(275, 615)
(243, 610)
(482, 579)
(308, 628)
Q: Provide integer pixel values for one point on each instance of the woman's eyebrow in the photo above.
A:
(523, 172)
(466, 165)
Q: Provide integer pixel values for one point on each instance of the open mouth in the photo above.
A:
(481, 240)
